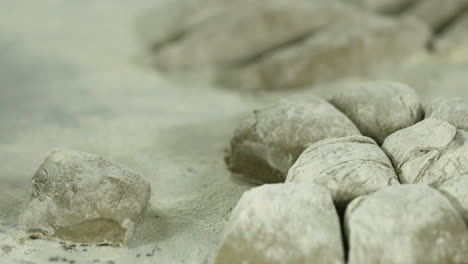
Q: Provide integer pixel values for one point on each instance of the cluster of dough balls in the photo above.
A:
(278, 44)
(397, 178)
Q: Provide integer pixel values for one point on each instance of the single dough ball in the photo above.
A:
(451, 110)
(348, 167)
(269, 141)
(430, 152)
(83, 198)
(283, 223)
(379, 108)
(409, 224)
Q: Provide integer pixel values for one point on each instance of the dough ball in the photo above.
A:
(379, 108)
(348, 167)
(429, 152)
(83, 198)
(409, 224)
(283, 223)
(269, 141)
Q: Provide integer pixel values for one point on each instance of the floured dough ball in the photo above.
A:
(283, 223)
(348, 167)
(269, 141)
(83, 198)
(409, 224)
(346, 49)
(379, 108)
(433, 152)
(429, 152)
(452, 110)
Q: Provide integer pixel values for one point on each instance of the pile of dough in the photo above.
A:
(277, 44)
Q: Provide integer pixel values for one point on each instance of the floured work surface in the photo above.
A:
(70, 77)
